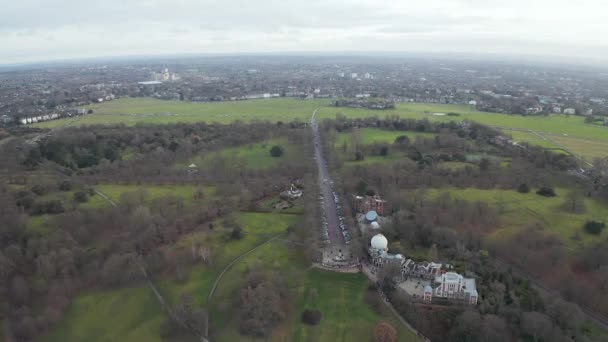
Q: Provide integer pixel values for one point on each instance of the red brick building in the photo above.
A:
(363, 204)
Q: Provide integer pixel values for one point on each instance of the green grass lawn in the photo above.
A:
(257, 228)
(454, 165)
(346, 317)
(520, 210)
(555, 124)
(256, 155)
(531, 139)
(152, 192)
(133, 110)
(589, 149)
(369, 136)
(373, 135)
(127, 314)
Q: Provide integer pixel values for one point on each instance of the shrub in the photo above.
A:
(594, 227)
(311, 317)
(359, 155)
(402, 140)
(81, 196)
(523, 188)
(384, 332)
(276, 151)
(237, 233)
(384, 151)
(546, 191)
(65, 185)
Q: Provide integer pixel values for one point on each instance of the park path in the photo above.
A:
(105, 197)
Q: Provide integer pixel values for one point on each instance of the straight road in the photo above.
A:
(326, 188)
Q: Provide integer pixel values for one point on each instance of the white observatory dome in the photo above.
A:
(379, 242)
(375, 225)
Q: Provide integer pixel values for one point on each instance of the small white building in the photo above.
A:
(570, 111)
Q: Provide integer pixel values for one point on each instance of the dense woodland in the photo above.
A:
(107, 247)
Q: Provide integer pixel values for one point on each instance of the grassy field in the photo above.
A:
(255, 156)
(153, 192)
(375, 135)
(257, 228)
(345, 316)
(134, 314)
(133, 110)
(520, 210)
(555, 124)
(589, 149)
(584, 139)
(368, 136)
(531, 138)
(128, 314)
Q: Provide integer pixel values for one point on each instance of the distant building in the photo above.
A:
(5, 119)
(570, 111)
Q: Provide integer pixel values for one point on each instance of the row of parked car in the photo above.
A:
(341, 220)
(324, 224)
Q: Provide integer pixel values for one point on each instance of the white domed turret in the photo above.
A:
(375, 225)
(379, 242)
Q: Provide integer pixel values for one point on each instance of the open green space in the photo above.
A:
(369, 136)
(127, 314)
(589, 149)
(346, 317)
(556, 124)
(256, 155)
(531, 138)
(148, 110)
(257, 228)
(518, 211)
(152, 192)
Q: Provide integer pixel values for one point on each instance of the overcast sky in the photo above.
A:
(39, 30)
